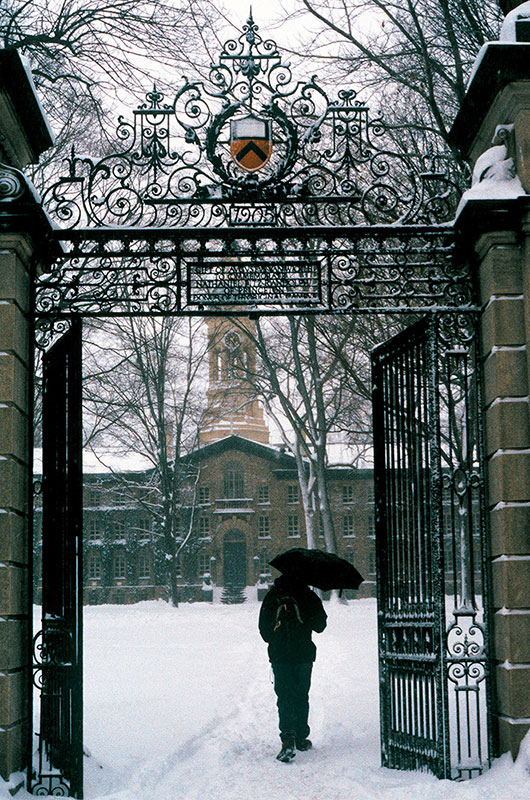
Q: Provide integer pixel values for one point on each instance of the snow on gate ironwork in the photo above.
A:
(252, 192)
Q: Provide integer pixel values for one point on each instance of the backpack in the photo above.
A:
(288, 617)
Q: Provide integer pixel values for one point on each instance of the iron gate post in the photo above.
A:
(58, 646)
(432, 593)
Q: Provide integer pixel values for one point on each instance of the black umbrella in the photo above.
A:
(319, 569)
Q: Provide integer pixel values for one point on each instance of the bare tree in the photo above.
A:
(89, 57)
(143, 390)
(414, 56)
(313, 378)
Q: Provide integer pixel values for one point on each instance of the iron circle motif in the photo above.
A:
(240, 144)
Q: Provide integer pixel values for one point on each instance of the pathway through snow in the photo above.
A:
(179, 706)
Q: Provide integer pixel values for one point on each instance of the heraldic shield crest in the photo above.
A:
(250, 142)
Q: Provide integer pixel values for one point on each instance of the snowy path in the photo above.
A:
(179, 706)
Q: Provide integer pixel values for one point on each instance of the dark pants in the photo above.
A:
(291, 684)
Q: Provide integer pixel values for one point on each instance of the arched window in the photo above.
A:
(234, 481)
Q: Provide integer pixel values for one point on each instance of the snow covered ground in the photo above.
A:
(179, 706)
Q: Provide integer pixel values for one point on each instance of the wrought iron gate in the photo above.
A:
(58, 645)
(430, 549)
(339, 220)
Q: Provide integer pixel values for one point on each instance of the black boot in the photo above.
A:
(288, 752)
(304, 744)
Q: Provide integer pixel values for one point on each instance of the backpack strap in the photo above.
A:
(282, 606)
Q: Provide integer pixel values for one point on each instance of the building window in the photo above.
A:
(263, 494)
(203, 564)
(264, 531)
(94, 497)
(94, 529)
(371, 527)
(293, 526)
(94, 567)
(263, 563)
(347, 493)
(120, 499)
(292, 493)
(371, 562)
(119, 567)
(118, 528)
(348, 555)
(144, 527)
(204, 527)
(347, 526)
(178, 565)
(204, 494)
(371, 497)
(144, 566)
(233, 481)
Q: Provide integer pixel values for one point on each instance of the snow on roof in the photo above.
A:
(507, 33)
(102, 462)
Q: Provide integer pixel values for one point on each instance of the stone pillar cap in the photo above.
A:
(24, 130)
(498, 65)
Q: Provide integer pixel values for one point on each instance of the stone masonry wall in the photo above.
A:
(15, 254)
(505, 330)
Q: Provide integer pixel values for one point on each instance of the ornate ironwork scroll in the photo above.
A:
(464, 547)
(331, 162)
(290, 270)
(431, 549)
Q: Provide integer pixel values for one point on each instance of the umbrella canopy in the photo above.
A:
(317, 568)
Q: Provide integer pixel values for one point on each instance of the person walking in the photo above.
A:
(290, 612)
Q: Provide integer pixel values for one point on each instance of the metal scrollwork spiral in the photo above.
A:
(331, 163)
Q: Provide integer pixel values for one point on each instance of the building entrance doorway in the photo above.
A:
(171, 226)
(235, 559)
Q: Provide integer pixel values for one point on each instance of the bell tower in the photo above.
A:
(232, 408)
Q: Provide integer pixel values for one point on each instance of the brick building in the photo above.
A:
(248, 509)
(246, 504)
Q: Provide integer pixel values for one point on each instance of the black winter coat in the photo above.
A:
(298, 647)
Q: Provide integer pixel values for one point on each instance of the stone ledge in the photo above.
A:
(509, 477)
(510, 530)
(14, 643)
(502, 324)
(498, 90)
(500, 268)
(14, 331)
(512, 637)
(14, 433)
(507, 425)
(14, 275)
(25, 133)
(12, 749)
(512, 691)
(510, 735)
(13, 381)
(511, 583)
(14, 705)
(13, 590)
(14, 479)
(505, 375)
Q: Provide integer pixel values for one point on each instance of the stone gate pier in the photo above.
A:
(24, 249)
(492, 130)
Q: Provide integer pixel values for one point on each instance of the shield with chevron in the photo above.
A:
(250, 142)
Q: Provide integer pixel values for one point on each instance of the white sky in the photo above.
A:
(270, 17)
